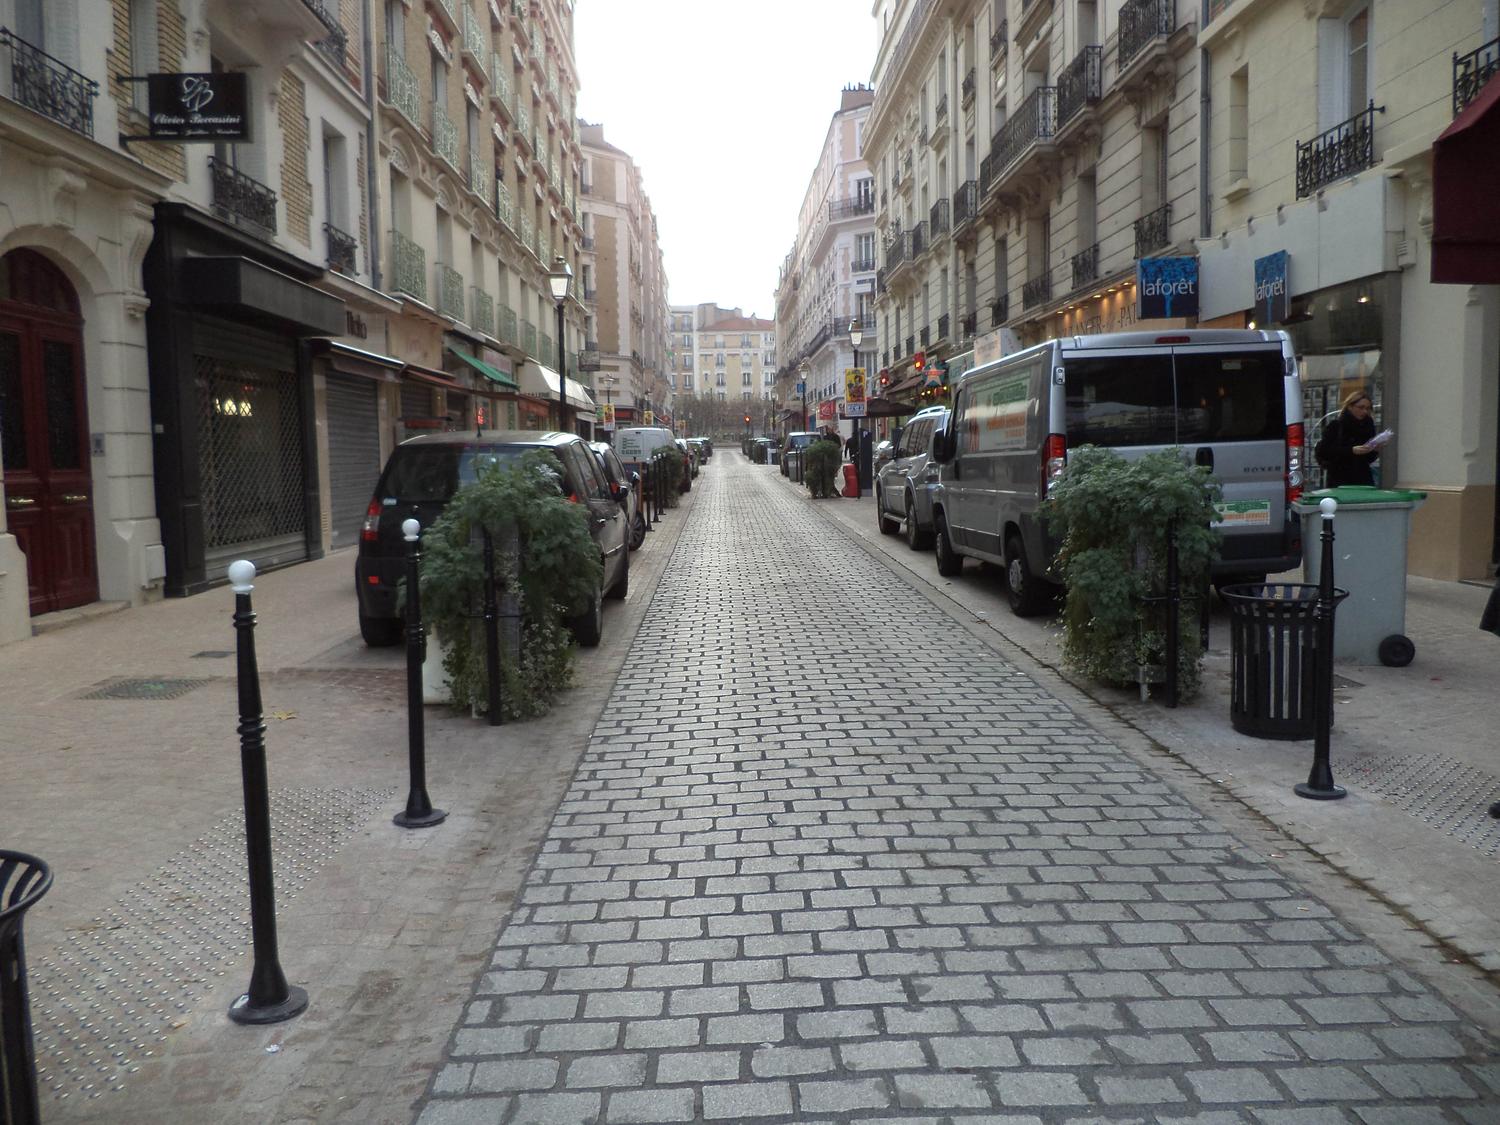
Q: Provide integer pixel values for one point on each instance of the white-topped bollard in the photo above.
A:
(419, 812)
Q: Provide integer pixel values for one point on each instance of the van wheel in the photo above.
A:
(1026, 594)
(916, 538)
(381, 632)
(949, 562)
(621, 587)
(888, 526)
(588, 626)
(638, 532)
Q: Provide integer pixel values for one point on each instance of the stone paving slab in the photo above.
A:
(780, 889)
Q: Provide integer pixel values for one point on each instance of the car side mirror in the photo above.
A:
(635, 478)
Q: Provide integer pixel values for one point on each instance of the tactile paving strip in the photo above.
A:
(1442, 792)
(112, 991)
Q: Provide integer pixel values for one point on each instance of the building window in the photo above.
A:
(143, 47)
(1239, 125)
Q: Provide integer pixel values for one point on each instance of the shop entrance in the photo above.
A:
(44, 432)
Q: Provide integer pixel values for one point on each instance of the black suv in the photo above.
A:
(421, 477)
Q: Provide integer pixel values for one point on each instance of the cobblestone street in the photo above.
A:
(827, 865)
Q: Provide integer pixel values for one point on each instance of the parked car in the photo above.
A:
(796, 443)
(422, 475)
(905, 483)
(700, 449)
(1232, 399)
(690, 459)
(708, 447)
(883, 453)
(625, 484)
(635, 445)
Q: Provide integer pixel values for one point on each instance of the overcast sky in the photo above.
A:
(723, 107)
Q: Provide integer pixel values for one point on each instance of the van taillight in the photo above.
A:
(371, 531)
(1294, 450)
(1054, 461)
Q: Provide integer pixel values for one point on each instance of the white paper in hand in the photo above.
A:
(1380, 439)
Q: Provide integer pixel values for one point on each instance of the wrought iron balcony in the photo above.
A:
(528, 337)
(479, 175)
(1079, 84)
(49, 86)
(965, 204)
(880, 281)
(1000, 41)
(481, 311)
(999, 310)
(500, 90)
(544, 349)
(943, 322)
(450, 291)
(986, 174)
(937, 218)
(334, 47)
(918, 241)
(895, 252)
(409, 262)
(504, 209)
(401, 89)
(1140, 22)
(509, 332)
(1153, 231)
(1086, 266)
(1472, 71)
(846, 208)
(1347, 148)
(967, 87)
(343, 250)
(588, 359)
(970, 325)
(1036, 291)
(941, 111)
(444, 137)
(1035, 121)
(862, 265)
(241, 200)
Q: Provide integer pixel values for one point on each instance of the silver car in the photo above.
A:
(903, 488)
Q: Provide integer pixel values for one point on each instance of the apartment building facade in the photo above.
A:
(732, 370)
(827, 280)
(1026, 156)
(624, 285)
(1323, 183)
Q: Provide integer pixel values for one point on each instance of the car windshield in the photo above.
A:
(433, 473)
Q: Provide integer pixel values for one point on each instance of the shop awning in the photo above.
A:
(428, 375)
(888, 408)
(493, 374)
(355, 361)
(1465, 221)
(542, 381)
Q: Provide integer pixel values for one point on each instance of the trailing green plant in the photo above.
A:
(1112, 515)
(820, 463)
(668, 461)
(555, 569)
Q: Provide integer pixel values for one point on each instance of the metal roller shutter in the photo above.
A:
(353, 454)
(416, 402)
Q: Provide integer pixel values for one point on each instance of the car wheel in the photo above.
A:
(949, 562)
(638, 532)
(1025, 592)
(381, 632)
(917, 538)
(622, 583)
(888, 526)
(588, 626)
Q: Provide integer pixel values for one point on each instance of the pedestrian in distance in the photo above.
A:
(851, 446)
(1349, 444)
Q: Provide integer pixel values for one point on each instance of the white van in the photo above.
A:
(635, 444)
(1232, 399)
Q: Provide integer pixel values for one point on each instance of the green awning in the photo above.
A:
(493, 374)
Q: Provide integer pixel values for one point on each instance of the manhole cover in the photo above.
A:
(141, 689)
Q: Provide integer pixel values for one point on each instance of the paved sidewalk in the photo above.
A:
(787, 886)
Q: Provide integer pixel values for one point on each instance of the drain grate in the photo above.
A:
(141, 688)
(108, 995)
(1444, 793)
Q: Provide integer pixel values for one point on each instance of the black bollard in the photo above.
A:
(491, 630)
(419, 812)
(1174, 617)
(648, 496)
(1319, 785)
(269, 999)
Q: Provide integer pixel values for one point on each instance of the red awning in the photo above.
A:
(1465, 221)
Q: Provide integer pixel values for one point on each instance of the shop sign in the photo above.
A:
(607, 416)
(197, 107)
(648, 419)
(1273, 299)
(828, 410)
(1166, 287)
(856, 398)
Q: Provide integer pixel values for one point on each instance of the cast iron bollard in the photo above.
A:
(1319, 785)
(269, 998)
(419, 812)
(491, 631)
(24, 879)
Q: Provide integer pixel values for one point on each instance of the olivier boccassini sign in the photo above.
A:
(195, 107)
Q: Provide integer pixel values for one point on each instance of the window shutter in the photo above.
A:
(1331, 107)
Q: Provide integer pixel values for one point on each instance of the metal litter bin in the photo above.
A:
(1371, 530)
(1273, 646)
(24, 879)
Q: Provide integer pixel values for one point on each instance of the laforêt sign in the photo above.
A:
(211, 106)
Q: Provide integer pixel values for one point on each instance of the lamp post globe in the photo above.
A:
(559, 280)
(802, 372)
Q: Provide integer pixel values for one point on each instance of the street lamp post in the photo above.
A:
(559, 281)
(864, 454)
(802, 370)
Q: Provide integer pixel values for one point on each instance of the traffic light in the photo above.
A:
(747, 419)
(885, 379)
(919, 362)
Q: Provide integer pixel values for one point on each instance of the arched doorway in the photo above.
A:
(44, 434)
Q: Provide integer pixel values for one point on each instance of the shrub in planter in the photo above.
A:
(555, 570)
(820, 464)
(1113, 516)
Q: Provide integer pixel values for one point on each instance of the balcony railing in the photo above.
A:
(937, 218)
(334, 45)
(862, 265)
(504, 209)
(1153, 230)
(49, 86)
(918, 241)
(528, 337)
(941, 112)
(967, 87)
(1472, 71)
(409, 274)
(965, 204)
(508, 331)
(1036, 291)
(544, 349)
(588, 359)
(845, 208)
(444, 136)
(1000, 41)
(586, 242)
(500, 84)
(970, 325)
(476, 38)
(895, 251)
(999, 310)
(1036, 120)
(1086, 266)
(450, 291)
(343, 250)
(401, 86)
(479, 175)
(528, 229)
(1080, 84)
(1140, 22)
(1347, 148)
(241, 200)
